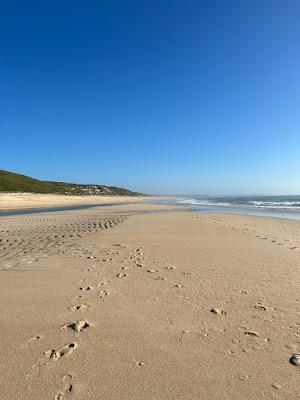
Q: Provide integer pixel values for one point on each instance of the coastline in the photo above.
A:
(50, 202)
(158, 295)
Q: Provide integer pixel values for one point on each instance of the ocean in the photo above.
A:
(272, 206)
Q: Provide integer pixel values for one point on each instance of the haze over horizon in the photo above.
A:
(161, 97)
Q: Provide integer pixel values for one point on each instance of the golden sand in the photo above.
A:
(113, 303)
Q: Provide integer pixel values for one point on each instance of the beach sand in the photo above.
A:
(115, 303)
(13, 201)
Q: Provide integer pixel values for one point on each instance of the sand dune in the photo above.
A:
(121, 304)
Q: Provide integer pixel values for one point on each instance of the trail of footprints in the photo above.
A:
(253, 230)
(50, 235)
(89, 292)
(132, 258)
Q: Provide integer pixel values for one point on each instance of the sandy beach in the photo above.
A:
(13, 201)
(127, 303)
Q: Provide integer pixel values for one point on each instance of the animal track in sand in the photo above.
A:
(65, 392)
(55, 355)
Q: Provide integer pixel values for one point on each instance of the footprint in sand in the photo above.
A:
(260, 307)
(252, 334)
(170, 268)
(217, 311)
(179, 285)
(86, 288)
(77, 326)
(66, 390)
(102, 294)
(139, 264)
(55, 355)
(160, 278)
(140, 363)
(80, 307)
(122, 275)
(295, 360)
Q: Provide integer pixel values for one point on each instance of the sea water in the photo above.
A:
(272, 206)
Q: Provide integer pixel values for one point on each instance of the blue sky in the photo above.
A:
(162, 96)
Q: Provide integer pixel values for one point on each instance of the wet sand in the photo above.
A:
(115, 303)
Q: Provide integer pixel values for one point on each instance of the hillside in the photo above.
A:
(11, 182)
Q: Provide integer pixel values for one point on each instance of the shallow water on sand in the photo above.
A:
(10, 213)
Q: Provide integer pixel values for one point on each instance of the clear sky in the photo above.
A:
(161, 96)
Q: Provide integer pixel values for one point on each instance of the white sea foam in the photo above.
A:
(276, 204)
(288, 205)
(204, 203)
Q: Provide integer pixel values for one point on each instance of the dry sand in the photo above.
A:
(12, 201)
(115, 303)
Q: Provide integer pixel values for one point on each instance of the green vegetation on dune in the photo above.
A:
(11, 182)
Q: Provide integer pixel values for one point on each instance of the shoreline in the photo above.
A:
(27, 201)
(162, 207)
(242, 210)
(18, 202)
